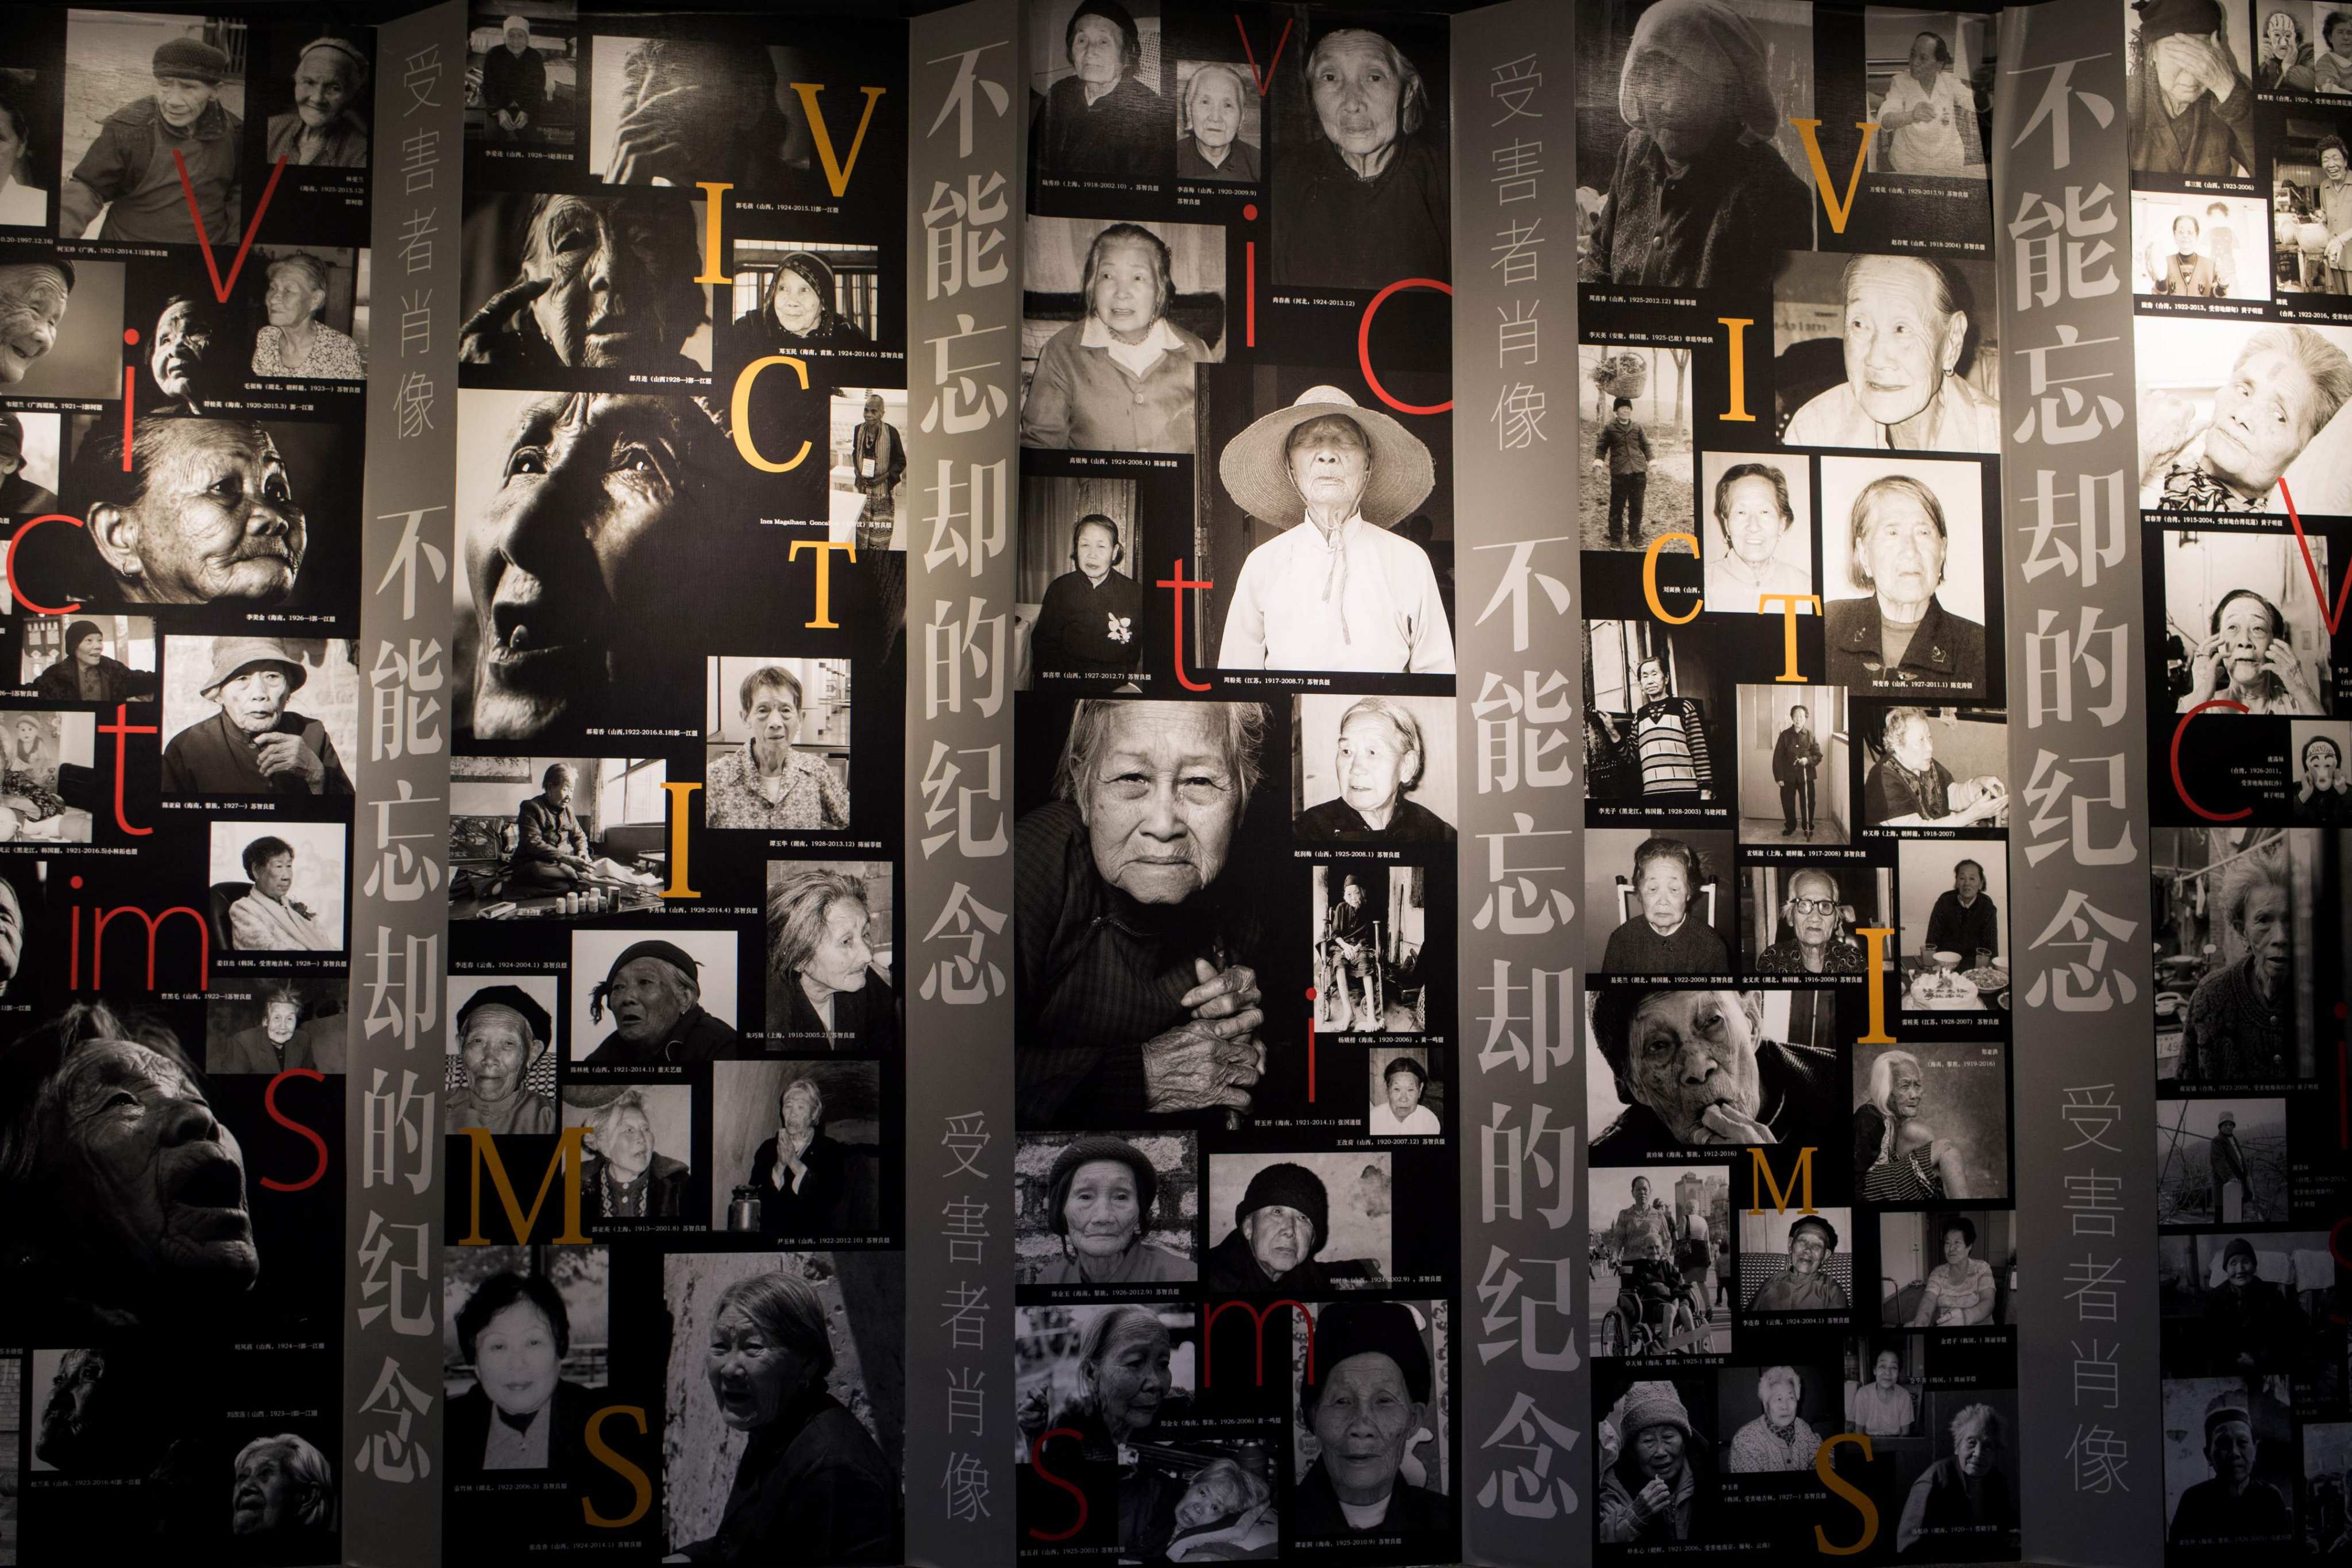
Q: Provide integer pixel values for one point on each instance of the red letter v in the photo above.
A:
(187, 187)
(2336, 615)
(1264, 78)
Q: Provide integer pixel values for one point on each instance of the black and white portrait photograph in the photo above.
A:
(2311, 175)
(1370, 1427)
(28, 166)
(522, 75)
(1361, 193)
(2198, 245)
(870, 467)
(1372, 771)
(2222, 1162)
(1659, 903)
(1925, 69)
(2287, 45)
(1656, 1453)
(63, 321)
(1947, 1269)
(652, 996)
(1202, 1502)
(1795, 1261)
(1804, 916)
(1756, 533)
(538, 836)
(1949, 923)
(1100, 1208)
(783, 1406)
(1220, 129)
(557, 283)
(1302, 1225)
(1123, 1375)
(139, 86)
(1671, 1067)
(49, 786)
(1081, 596)
(795, 1148)
(1887, 352)
(2189, 95)
(1964, 1504)
(775, 732)
(2234, 416)
(29, 461)
(1930, 1123)
(317, 301)
(2244, 623)
(1099, 109)
(772, 120)
(2240, 1301)
(259, 715)
(2326, 1460)
(2230, 1473)
(1703, 87)
(829, 956)
(1662, 1248)
(270, 1022)
(1372, 965)
(1933, 767)
(638, 1145)
(2237, 954)
(2316, 751)
(1661, 700)
(318, 115)
(502, 1051)
(1796, 764)
(1787, 1409)
(283, 1503)
(88, 658)
(526, 1348)
(1885, 1386)
(1904, 581)
(1405, 1100)
(792, 297)
(278, 886)
(1116, 315)
(1639, 482)
(196, 349)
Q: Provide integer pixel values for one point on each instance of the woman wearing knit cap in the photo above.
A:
(1367, 1404)
(88, 673)
(1278, 1227)
(1101, 120)
(325, 127)
(654, 990)
(2189, 108)
(1652, 1494)
(130, 170)
(799, 311)
(502, 1033)
(1100, 1198)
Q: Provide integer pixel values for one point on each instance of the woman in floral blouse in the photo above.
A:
(297, 342)
(768, 784)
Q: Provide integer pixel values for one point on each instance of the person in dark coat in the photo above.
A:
(2190, 111)
(1796, 757)
(253, 745)
(802, 1176)
(1693, 1067)
(1101, 120)
(2249, 1323)
(521, 1413)
(2231, 1507)
(1655, 1493)
(823, 990)
(624, 1177)
(877, 461)
(132, 169)
(654, 990)
(1965, 920)
(514, 85)
(1088, 621)
(811, 1486)
(88, 673)
(1963, 1503)
(1370, 1392)
(19, 496)
(1279, 1227)
(1366, 200)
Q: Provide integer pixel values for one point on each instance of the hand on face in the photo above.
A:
(1692, 1060)
(514, 1357)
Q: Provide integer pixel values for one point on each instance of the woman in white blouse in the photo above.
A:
(1930, 116)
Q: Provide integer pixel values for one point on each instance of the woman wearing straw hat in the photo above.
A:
(1348, 594)
(253, 745)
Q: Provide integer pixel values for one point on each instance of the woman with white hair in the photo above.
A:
(1896, 1155)
(298, 341)
(2286, 384)
(2242, 1025)
(1700, 195)
(1778, 1438)
(2248, 657)
(1901, 634)
(1380, 756)
(802, 1176)
(325, 129)
(824, 990)
(1208, 141)
(1365, 201)
(283, 1502)
(624, 1177)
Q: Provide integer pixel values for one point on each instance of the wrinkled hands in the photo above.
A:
(1213, 1057)
(282, 753)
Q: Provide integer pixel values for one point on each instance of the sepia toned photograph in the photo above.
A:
(1885, 351)
(1796, 764)
(501, 1050)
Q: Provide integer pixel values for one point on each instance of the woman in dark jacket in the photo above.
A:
(823, 990)
(799, 310)
(1102, 120)
(88, 674)
(802, 1176)
(520, 1413)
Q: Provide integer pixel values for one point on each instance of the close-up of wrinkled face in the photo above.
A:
(269, 1497)
(1102, 1213)
(1364, 1417)
(1906, 1090)
(278, 1020)
(274, 878)
(2266, 927)
(798, 309)
(1780, 1401)
(1095, 51)
(627, 1143)
(2247, 632)
(32, 308)
(1664, 889)
(1900, 548)
(1134, 1375)
(1163, 801)
(1280, 1238)
(1807, 1248)
(1371, 762)
(1690, 1052)
(797, 1109)
(1651, 675)
(619, 273)
(498, 1052)
(218, 521)
(1752, 519)
(1813, 908)
(1209, 1499)
(1358, 90)
(1212, 100)
(291, 298)
(1124, 292)
(177, 354)
(1684, 102)
(253, 699)
(323, 86)
(1887, 1370)
(1956, 1247)
(839, 960)
(1974, 1447)
(2240, 1268)
(1331, 463)
(1658, 1449)
(2262, 416)
(1404, 1094)
(1900, 342)
(1095, 547)
(1968, 881)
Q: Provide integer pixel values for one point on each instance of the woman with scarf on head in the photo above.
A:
(799, 309)
(1119, 378)
(1365, 192)
(1101, 1197)
(88, 673)
(1652, 1493)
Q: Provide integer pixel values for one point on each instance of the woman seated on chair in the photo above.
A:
(1661, 938)
(550, 853)
(1352, 947)
(268, 919)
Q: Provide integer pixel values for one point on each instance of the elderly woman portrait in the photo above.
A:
(1280, 1225)
(1365, 199)
(768, 784)
(1208, 126)
(1137, 989)
(132, 169)
(2247, 657)
(1663, 936)
(1907, 787)
(1900, 634)
(254, 744)
(1817, 942)
(32, 299)
(2286, 383)
(1897, 1156)
(513, 84)
(1102, 120)
(1379, 758)
(1662, 747)
(182, 376)
(811, 1486)
(326, 128)
(86, 672)
(1883, 1407)
(1805, 1285)
(1752, 515)
(551, 852)
(268, 919)
(21, 495)
(1336, 587)
(1087, 622)
(270, 1047)
(1118, 379)
(1929, 115)
(502, 1033)
(799, 309)
(1700, 197)
(282, 1500)
(1399, 1112)
(1655, 1491)
(297, 341)
(802, 1176)
(1101, 1197)
(2230, 1504)
(603, 283)
(1226, 1514)
(1965, 1491)
(2249, 1324)
(205, 513)
(1126, 1383)
(2242, 1017)
(624, 1177)
(1778, 1438)
(2287, 59)
(1694, 1067)
(2323, 797)
(1960, 1290)
(1368, 1400)
(654, 989)
(22, 206)
(127, 1193)
(2184, 270)
(824, 983)
(1904, 333)
(696, 108)
(2188, 108)
(513, 1333)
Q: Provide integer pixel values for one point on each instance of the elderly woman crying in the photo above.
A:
(1118, 379)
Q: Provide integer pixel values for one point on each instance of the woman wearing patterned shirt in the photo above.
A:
(297, 342)
(1898, 1156)
(767, 783)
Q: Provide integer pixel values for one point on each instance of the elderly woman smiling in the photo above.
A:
(2248, 658)
(1901, 635)
(768, 784)
(2286, 383)
(1368, 203)
(1119, 379)
(502, 1033)
(1379, 759)
(1904, 333)
(1752, 513)
(1661, 937)
(1896, 1155)
(1100, 121)
(1101, 1196)
(297, 342)
(1960, 1288)
(325, 127)
(1208, 143)
(823, 983)
(268, 919)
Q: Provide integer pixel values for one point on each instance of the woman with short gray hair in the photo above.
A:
(1778, 1438)
(298, 341)
(1380, 756)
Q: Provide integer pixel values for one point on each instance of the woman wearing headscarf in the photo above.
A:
(1208, 130)
(297, 341)
(502, 1033)
(1652, 1494)
(799, 309)
(1100, 1198)
(1897, 1156)
(2250, 659)
(2284, 386)
(1365, 201)
(1700, 196)
(1126, 1383)
(1118, 379)
(324, 129)
(802, 1176)
(1100, 121)
(88, 673)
